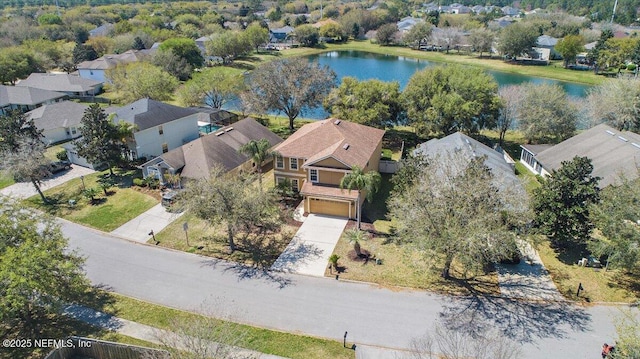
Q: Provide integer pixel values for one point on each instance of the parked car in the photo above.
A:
(59, 166)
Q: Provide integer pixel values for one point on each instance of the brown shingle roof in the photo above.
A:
(311, 189)
(329, 138)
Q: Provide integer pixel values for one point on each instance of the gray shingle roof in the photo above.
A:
(148, 113)
(111, 60)
(458, 142)
(198, 157)
(59, 82)
(610, 154)
(26, 95)
(57, 115)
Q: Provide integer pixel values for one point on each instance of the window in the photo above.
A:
(74, 130)
(165, 148)
(279, 162)
(293, 164)
(279, 180)
(160, 130)
(313, 176)
(294, 185)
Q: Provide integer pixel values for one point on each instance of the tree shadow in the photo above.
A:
(246, 272)
(521, 321)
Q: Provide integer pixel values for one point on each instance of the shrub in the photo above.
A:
(152, 182)
(632, 67)
(139, 182)
(62, 155)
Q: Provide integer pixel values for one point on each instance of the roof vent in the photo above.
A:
(228, 129)
(623, 139)
(611, 133)
(337, 122)
(220, 133)
(635, 145)
(346, 146)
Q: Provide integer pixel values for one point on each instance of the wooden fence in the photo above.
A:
(99, 349)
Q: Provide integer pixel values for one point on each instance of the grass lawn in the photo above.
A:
(207, 240)
(599, 285)
(52, 151)
(107, 213)
(6, 179)
(495, 63)
(262, 340)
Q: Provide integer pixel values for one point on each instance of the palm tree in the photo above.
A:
(358, 180)
(355, 237)
(259, 151)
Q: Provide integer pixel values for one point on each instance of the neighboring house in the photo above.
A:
(499, 162)
(196, 159)
(159, 127)
(613, 153)
(510, 11)
(280, 34)
(72, 85)
(319, 154)
(459, 9)
(95, 69)
(58, 121)
(26, 98)
(545, 45)
(102, 30)
(407, 23)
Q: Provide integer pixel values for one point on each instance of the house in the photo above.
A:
(546, 41)
(510, 11)
(95, 69)
(407, 23)
(280, 34)
(499, 162)
(71, 85)
(319, 154)
(58, 121)
(159, 127)
(102, 30)
(26, 98)
(195, 159)
(456, 8)
(613, 153)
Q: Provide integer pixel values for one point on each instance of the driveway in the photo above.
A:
(527, 280)
(24, 190)
(309, 250)
(138, 229)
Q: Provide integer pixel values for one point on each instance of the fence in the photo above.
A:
(388, 166)
(99, 349)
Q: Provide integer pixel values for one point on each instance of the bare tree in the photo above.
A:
(447, 37)
(27, 162)
(617, 103)
(289, 86)
(445, 343)
(511, 97)
(201, 338)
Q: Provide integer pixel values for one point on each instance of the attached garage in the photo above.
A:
(329, 207)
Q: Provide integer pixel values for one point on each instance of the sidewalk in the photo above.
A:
(138, 229)
(141, 331)
(527, 280)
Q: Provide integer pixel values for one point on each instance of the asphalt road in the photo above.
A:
(327, 308)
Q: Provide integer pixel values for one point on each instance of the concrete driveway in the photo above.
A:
(309, 250)
(527, 280)
(137, 229)
(24, 190)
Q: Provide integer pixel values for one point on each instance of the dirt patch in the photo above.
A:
(364, 256)
(155, 193)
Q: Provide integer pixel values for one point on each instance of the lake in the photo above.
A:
(366, 66)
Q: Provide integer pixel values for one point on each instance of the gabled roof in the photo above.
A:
(147, 113)
(112, 60)
(282, 30)
(198, 157)
(57, 115)
(612, 153)
(102, 30)
(459, 142)
(329, 138)
(546, 41)
(27, 96)
(59, 82)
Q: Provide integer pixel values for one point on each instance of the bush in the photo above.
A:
(139, 182)
(152, 182)
(62, 155)
(632, 67)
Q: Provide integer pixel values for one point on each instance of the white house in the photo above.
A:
(72, 85)
(95, 69)
(58, 121)
(159, 127)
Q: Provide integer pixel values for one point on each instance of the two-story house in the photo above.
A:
(319, 154)
(158, 127)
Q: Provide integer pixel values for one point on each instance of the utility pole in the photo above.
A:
(615, 6)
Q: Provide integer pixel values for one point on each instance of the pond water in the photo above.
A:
(365, 66)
